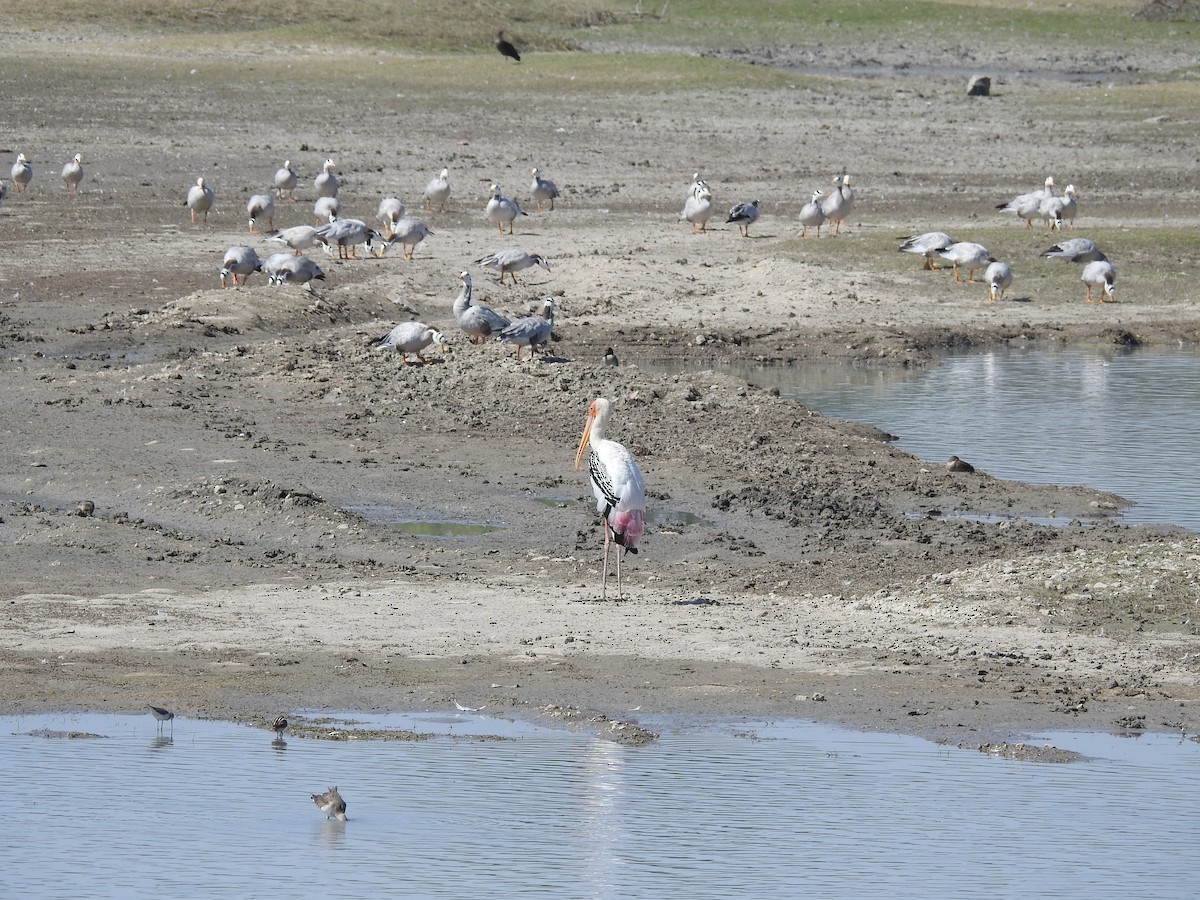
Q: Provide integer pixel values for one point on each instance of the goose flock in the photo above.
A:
(1056, 212)
(342, 236)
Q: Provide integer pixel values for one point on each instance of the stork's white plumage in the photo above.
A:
(617, 484)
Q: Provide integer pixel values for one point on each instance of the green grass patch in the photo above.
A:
(432, 26)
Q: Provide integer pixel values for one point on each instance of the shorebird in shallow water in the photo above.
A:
(163, 715)
(279, 725)
(331, 803)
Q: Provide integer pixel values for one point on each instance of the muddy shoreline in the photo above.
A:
(248, 451)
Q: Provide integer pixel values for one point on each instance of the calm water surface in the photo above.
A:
(723, 809)
(1122, 421)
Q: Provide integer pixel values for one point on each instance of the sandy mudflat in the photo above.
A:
(246, 449)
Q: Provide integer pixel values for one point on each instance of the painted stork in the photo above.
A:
(618, 486)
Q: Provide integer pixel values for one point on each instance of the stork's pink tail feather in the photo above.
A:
(627, 526)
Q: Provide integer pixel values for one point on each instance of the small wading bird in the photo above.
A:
(279, 725)
(745, 215)
(531, 331)
(478, 322)
(505, 48)
(72, 174)
(512, 260)
(162, 715)
(331, 803)
(412, 337)
(199, 199)
(954, 464)
(617, 484)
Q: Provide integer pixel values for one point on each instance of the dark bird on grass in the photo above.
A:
(506, 48)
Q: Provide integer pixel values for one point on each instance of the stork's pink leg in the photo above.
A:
(604, 578)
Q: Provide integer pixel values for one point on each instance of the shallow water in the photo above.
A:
(722, 809)
(1119, 420)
